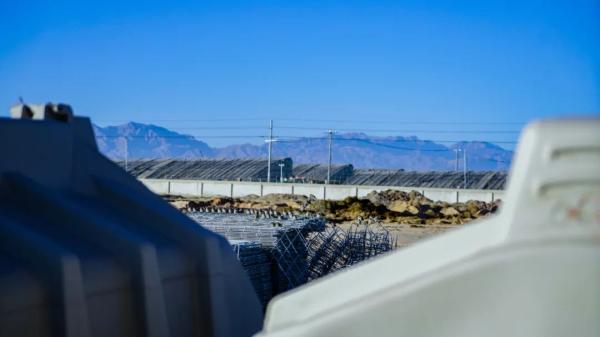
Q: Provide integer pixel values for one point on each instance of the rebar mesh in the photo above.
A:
(257, 265)
(281, 255)
(337, 248)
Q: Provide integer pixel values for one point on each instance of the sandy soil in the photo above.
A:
(407, 234)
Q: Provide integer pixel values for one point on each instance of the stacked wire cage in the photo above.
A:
(279, 255)
(257, 265)
(336, 248)
(284, 243)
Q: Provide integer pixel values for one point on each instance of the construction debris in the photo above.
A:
(393, 206)
(257, 264)
(337, 248)
(390, 206)
(284, 241)
(281, 255)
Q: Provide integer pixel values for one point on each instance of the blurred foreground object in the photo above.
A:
(87, 250)
(532, 270)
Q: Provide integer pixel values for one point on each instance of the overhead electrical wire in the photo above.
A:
(235, 119)
(295, 138)
(378, 142)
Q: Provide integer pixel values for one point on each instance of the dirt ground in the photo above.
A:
(409, 217)
(406, 234)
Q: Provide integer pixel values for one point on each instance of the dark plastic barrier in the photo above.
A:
(87, 250)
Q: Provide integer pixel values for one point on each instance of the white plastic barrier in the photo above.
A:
(532, 270)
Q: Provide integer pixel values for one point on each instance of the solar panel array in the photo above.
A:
(209, 169)
(317, 173)
(484, 180)
(256, 170)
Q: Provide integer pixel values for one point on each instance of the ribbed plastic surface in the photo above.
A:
(86, 250)
(532, 270)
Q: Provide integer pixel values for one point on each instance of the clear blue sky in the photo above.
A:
(369, 65)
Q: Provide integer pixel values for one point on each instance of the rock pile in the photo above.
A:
(402, 207)
(274, 202)
(385, 206)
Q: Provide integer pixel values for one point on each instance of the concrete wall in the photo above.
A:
(339, 192)
(205, 188)
(157, 186)
(277, 189)
(307, 189)
(214, 188)
(244, 189)
(184, 187)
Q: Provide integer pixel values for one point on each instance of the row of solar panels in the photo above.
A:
(256, 170)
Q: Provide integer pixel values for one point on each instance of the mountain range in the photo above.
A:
(136, 140)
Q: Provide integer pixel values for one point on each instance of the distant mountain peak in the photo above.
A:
(146, 141)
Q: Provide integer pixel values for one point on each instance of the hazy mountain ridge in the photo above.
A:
(148, 141)
(363, 151)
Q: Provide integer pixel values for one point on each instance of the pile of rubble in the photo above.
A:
(390, 206)
(404, 207)
(276, 202)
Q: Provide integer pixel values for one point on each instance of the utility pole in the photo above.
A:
(126, 154)
(329, 165)
(281, 165)
(270, 149)
(456, 159)
(465, 167)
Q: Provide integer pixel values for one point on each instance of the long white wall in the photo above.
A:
(208, 188)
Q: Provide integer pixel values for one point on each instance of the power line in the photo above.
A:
(400, 122)
(295, 139)
(351, 130)
(181, 120)
(178, 136)
(290, 139)
(370, 121)
(394, 147)
(348, 130)
(429, 150)
(219, 128)
(405, 130)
